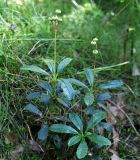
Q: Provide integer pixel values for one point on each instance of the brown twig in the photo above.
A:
(129, 119)
(29, 130)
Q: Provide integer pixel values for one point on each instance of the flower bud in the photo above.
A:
(58, 11)
(93, 43)
(95, 51)
(95, 39)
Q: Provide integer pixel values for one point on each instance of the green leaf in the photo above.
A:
(32, 108)
(62, 128)
(77, 82)
(50, 64)
(103, 107)
(99, 69)
(45, 85)
(34, 69)
(64, 102)
(33, 95)
(67, 89)
(74, 140)
(63, 64)
(95, 119)
(106, 126)
(43, 132)
(57, 141)
(76, 121)
(82, 150)
(103, 97)
(89, 75)
(112, 84)
(45, 98)
(99, 139)
(89, 98)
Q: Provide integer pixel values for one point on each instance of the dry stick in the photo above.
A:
(34, 47)
(29, 130)
(126, 117)
(122, 9)
(129, 121)
(32, 136)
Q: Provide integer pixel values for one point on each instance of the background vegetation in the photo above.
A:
(26, 37)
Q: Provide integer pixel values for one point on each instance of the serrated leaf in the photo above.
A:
(43, 132)
(95, 119)
(46, 86)
(75, 92)
(76, 121)
(64, 102)
(104, 107)
(50, 64)
(89, 98)
(45, 98)
(34, 69)
(82, 150)
(67, 89)
(62, 128)
(63, 64)
(32, 108)
(99, 139)
(104, 96)
(106, 126)
(89, 110)
(112, 84)
(74, 140)
(89, 75)
(77, 82)
(33, 95)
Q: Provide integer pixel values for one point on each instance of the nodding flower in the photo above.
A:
(94, 41)
(95, 51)
(58, 11)
(55, 19)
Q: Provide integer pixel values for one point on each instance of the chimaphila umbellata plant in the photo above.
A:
(59, 92)
(81, 134)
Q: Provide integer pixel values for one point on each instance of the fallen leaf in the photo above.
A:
(110, 116)
(116, 139)
(121, 105)
(115, 157)
(14, 154)
(10, 138)
(135, 70)
(33, 145)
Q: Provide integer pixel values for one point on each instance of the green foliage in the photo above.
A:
(56, 90)
(60, 92)
(43, 132)
(81, 135)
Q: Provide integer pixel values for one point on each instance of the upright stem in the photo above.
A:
(55, 58)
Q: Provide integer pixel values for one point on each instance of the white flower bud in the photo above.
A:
(95, 51)
(95, 39)
(58, 11)
(93, 43)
